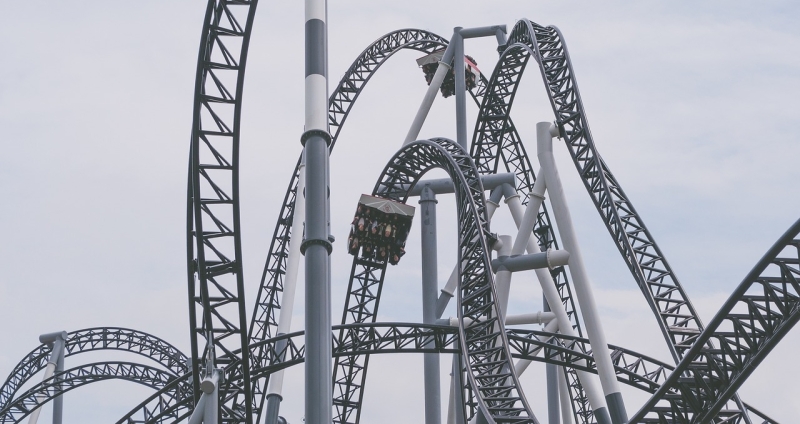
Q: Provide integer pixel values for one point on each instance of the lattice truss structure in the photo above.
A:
(709, 363)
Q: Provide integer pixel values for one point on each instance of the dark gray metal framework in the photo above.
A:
(76, 377)
(93, 339)
(217, 318)
(699, 390)
(764, 307)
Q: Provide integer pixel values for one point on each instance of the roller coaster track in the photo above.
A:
(264, 324)
(484, 344)
(676, 316)
(764, 307)
(287, 350)
(705, 379)
(214, 265)
(93, 339)
(76, 377)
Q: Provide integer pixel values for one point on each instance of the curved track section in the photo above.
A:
(218, 317)
(264, 320)
(484, 345)
(632, 368)
(764, 307)
(92, 339)
(675, 314)
(76, 377)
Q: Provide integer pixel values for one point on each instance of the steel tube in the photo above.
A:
(551, 371)
(486, 31)
(461, 89)
(275, 388)
(430, 287)
(56, 361)
(524, 221)
(199, 409)
(583, 288)
(445, 185)
(458, 399)
(550, 259)
(210, 392)
(563, 397)
(48, 372)
(58, 402)
(502, 278)
(449, 289)
(317, 247)
(430, 95)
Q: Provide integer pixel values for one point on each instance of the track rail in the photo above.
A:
(264, 320)
(93, 339)
(675, 314)
(76, 377)
(218, 317)
(484, 344)
(764, 307)
(281, 352)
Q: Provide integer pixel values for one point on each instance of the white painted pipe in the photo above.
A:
(209, 384)
(48, 372)
(292, 271)
(502, 279)
(520, 319)
(530, 318)
(449, 289)
(583, 287)
(430, 96)
(451, 419)
(199, 409)
(564, 398)
(525, 221)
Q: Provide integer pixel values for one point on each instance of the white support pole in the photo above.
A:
(275, 388)
(58, 341)
(199, 411)
(564, 398)
(430, 285)
(211, 406)
(430, 95)
(525, 221)
(502, 279)
(48, 372)
(583, 288)
(317, 245)
(449, 289)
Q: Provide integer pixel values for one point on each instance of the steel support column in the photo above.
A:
(605, 367)
(430, 288)
(316, 247)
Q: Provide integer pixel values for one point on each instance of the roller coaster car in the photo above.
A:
(379, 229)
(430, 62)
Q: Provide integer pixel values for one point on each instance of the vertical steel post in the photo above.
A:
(458, 390)
(430, 286)
(583, 288)
(553, 415)
(524, 222)
(210, 388)
(274, 392)
(563, 392)
(58, 402)
(55, 361)
(430, 95)
(317, 247)
(461, 89)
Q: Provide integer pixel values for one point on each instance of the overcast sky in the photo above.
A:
(691, 106)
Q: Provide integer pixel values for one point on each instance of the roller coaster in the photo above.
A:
(237, 359)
